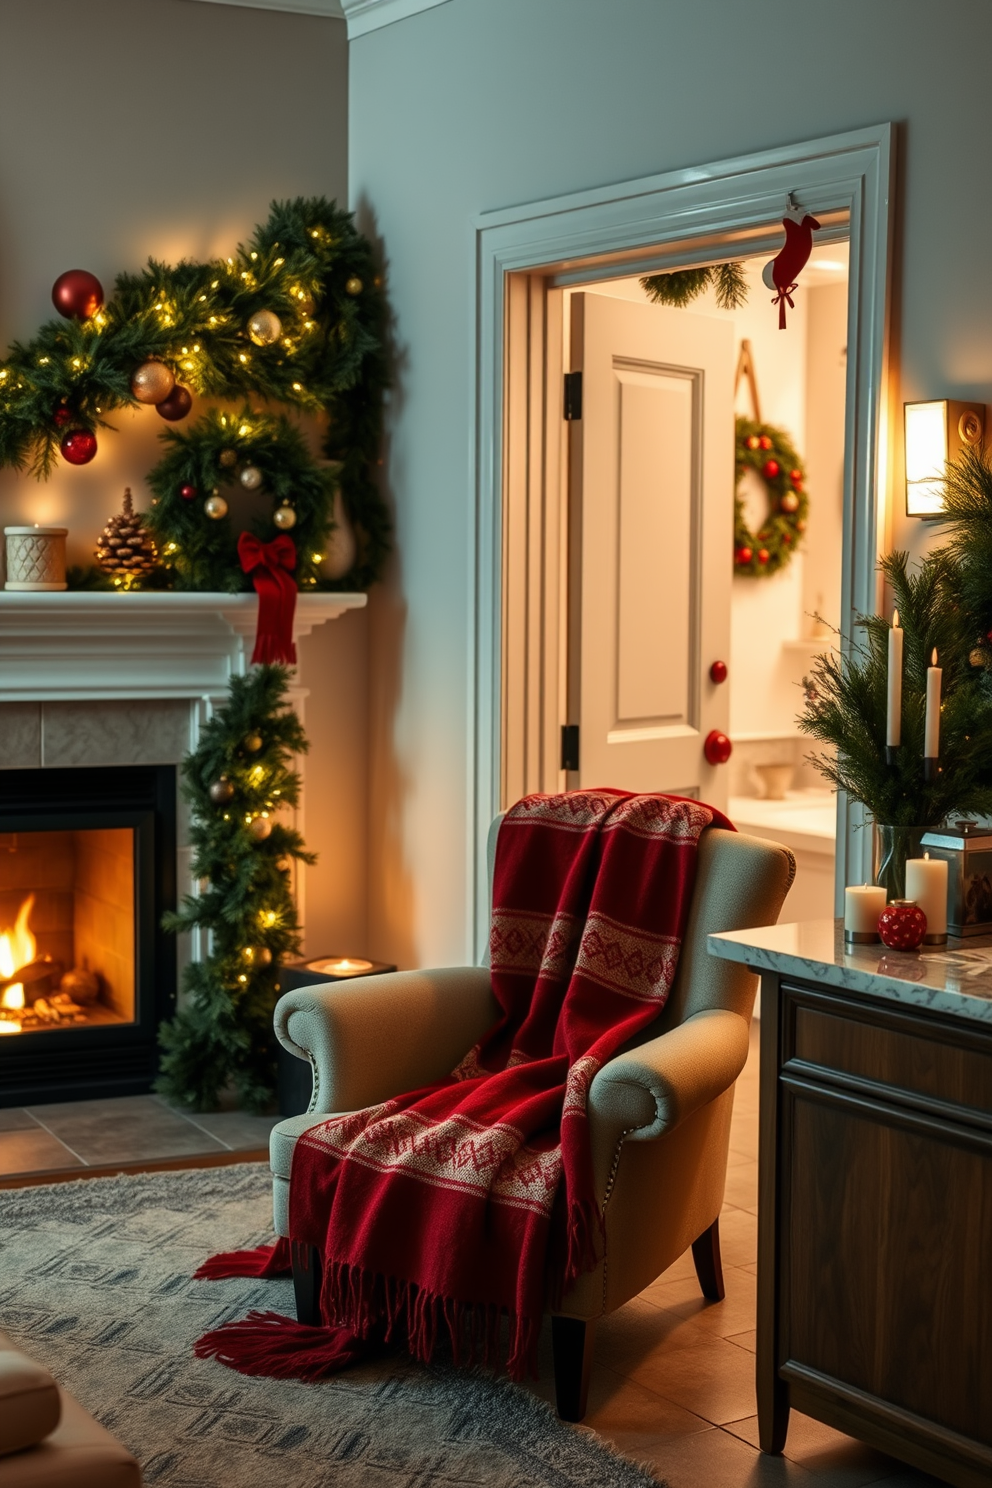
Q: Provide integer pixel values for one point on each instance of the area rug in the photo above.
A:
(96, 1283)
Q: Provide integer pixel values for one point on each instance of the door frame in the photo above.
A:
(699, 214)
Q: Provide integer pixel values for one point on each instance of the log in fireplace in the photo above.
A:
(87, 869)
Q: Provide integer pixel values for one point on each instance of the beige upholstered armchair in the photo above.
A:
(659, 1112)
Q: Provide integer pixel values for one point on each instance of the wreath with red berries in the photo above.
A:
(769, 452)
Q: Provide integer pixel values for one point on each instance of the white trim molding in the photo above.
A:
(371, 15)
(330, 8)
(603, 232)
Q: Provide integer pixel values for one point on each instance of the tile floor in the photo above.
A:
(673, 1378)
(130, 1132)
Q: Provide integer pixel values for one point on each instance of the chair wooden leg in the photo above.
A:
(571, 1346)
(307, 1275)
(709, 1266)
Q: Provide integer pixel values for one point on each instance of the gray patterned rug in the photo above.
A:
(95, 1283)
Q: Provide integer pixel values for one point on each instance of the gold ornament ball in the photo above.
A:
(284, 518)
(977, 657)
(215, 507)
(251, 477)
(263, 956)
(789, 502)
(260, 828)
(253, 743)
(152, 382)
(354, 285)
(228, 459)
(221, 791)
(265, 327)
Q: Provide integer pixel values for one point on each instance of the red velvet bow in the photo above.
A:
(271, 567)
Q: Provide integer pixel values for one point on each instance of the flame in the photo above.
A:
(17, 948)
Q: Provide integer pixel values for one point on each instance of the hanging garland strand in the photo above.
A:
(682, 286)
(769, 452)
(296, 316)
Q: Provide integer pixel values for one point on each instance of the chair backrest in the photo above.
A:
(741, 882)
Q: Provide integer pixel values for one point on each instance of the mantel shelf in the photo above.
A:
(80, 644)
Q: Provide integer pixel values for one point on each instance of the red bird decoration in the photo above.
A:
(781, 274)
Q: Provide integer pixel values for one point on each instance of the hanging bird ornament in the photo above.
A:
(782, 272)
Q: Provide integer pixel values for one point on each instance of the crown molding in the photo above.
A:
(297, 7)
(371, 15)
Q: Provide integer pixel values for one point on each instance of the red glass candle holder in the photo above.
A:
(902, 925)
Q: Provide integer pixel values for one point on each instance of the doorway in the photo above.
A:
(530, 261)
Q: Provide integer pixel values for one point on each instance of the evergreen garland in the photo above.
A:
(682, 286)
(968, 513)
(770, 453)
(309, 266)
(846, 705)
(222, 1035)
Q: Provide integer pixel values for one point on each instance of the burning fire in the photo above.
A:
(17, 948)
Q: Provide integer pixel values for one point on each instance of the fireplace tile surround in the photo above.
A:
(116, 680)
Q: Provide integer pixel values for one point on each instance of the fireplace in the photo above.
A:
(87, 868)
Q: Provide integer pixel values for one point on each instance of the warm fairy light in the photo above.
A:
(317, 557)
(279, 263)
(242, 978)
(242, 357)
(253, 253)
(297, 387)
(244, 430)
(43, 361)
(268, 917)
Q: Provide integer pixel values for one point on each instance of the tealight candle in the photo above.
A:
(340, 966)
(863, 903)
(926, 882)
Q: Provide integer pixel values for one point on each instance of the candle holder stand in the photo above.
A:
(861, 937)
(931, 770)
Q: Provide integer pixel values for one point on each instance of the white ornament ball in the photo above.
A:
(260, 828)
(215, 507)
(251, 477)
(152, 382)
(265, 327)
(284, 518)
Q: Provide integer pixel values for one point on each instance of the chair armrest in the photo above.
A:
(647, 1091)
(375, 1037)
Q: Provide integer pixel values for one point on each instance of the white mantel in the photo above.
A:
(79, 645)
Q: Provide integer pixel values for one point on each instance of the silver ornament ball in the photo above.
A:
(260, 827)
(251, 477)
(265, 327)
(215, 507)
(284, 518)
(152, 382)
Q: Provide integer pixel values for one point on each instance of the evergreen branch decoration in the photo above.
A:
(682, 286)
(846, 705)
(308, 266)
(967, 488)
(237, 778)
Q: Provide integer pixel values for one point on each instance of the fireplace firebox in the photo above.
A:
(87, 869)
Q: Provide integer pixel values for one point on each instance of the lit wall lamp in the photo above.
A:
(935, 433)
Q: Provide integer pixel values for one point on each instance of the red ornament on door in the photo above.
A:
(717, 748)
(718, 672)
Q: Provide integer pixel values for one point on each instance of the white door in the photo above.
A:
(651, 502)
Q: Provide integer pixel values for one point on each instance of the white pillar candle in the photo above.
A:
(863, 903)
(893, 712)
(931, 745)
(926, 882)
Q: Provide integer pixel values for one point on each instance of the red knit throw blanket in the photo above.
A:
(433, 1211)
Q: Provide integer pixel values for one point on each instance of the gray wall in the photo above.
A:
(160, 127)
(480, 104)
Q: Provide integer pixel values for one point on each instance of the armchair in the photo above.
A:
(659, 1113)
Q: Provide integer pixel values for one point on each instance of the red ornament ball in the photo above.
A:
(61, 417)
(753, 442)
(77, 294)
(796, 477)
(902, 925)
(770, 469)
(78, 447)
(744, 555)
(764, 442)
(188, 493)
(177, 405)
(763, 555)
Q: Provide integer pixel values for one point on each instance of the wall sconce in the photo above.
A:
(935, 433)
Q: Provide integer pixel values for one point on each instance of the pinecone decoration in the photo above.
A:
(126, 550)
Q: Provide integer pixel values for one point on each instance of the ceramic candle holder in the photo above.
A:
(35, 558)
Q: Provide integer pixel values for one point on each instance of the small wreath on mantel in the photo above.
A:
(769, 452)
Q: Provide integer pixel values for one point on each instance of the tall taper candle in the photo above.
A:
(931, 735)
(893, 712)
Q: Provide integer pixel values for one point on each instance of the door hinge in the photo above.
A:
(570, 746)
(573, 395)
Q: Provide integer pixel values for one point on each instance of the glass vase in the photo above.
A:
(891, 846)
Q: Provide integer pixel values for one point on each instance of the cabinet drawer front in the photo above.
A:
(953, 1067)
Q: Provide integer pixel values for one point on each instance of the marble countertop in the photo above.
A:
(955, 979)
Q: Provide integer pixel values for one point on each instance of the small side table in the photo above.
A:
(295, 1076)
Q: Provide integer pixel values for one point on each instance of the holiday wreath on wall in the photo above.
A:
(769, 452)
(295, 317)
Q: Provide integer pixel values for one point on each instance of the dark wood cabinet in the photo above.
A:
(875, 1226)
